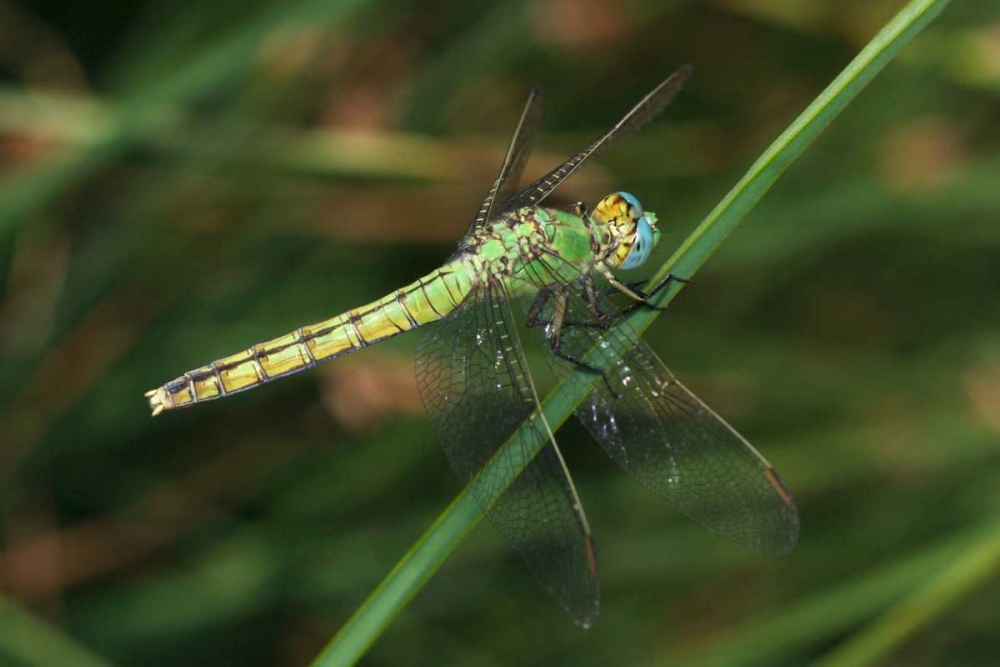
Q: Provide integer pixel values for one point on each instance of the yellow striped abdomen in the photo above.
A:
(429, 299)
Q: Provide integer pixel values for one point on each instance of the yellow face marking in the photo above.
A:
(615, 208)
(619, 218)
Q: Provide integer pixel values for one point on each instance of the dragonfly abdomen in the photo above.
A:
(427, 300)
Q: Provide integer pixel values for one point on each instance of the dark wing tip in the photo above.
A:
(585, 608)
(789, 537)
(592, 558)
(680, 76)
(778, 484)
(790, 541)
(587, 622)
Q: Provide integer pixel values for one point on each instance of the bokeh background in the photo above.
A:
(181, 179)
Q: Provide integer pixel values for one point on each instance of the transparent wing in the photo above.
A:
(655, 428)
(647, 109)
(517, 156)
(475, 385)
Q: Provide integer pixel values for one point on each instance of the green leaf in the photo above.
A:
(837, 608)
(430, 551)
(940, 591)
(140, 114)
(27, 640)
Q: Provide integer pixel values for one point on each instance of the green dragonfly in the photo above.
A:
(478, 391)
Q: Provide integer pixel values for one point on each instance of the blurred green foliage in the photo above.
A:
(180, 180)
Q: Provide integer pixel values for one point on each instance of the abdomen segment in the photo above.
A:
(429, 299)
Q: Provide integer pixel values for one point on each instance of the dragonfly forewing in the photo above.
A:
(516, 158)
(646, 110)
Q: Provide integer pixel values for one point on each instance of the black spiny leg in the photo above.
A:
(554, 338)
(667, 279)
(537, 305)
(642, 298)
(559, 311)
(533, 318)
(582, 366)
(591, 296)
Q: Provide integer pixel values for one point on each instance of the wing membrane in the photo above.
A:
(517, 157)
(643, 112)
(475, 385)
(655, 428)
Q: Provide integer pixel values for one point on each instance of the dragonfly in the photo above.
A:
(557, 270)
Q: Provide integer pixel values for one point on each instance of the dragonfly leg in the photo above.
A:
(591, 296)
(636, 285)
(666, 280)
(585, 367)
(555, 340)
(602, 325)
(534, 318)
(640, 297)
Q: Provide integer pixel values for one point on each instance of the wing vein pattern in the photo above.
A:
(518, 152)
(648, 108)
(475, 386)
(655, 428)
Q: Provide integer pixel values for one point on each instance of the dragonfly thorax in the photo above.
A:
(624, 234)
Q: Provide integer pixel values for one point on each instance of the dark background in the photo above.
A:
(182, 179)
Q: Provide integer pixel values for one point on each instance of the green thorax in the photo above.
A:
(501, 249)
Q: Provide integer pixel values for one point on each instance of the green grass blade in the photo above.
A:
(27, 640)
(423, 559)
(137, 116)
(956, 579)
(834, 610)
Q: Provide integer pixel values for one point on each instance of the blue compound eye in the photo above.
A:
(643, 245)
(631, 199)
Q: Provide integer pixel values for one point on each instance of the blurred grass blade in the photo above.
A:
(775, 637)
(137, 116)
(963, 576)
(26, 640)
(501, 36)
(424, 558)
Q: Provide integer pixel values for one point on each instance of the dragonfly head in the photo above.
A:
(627, 234)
